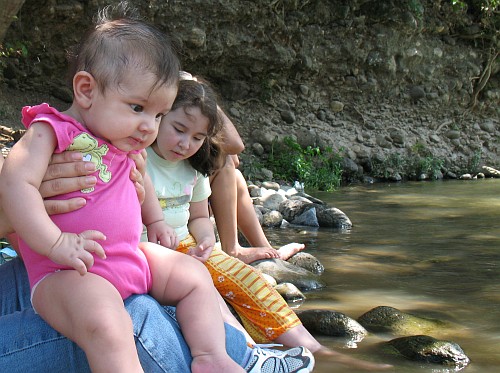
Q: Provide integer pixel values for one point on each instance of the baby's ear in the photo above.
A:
(84, 86)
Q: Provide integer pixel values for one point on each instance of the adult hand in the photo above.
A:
(67, 172)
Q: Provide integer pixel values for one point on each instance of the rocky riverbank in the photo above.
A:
(375, 81)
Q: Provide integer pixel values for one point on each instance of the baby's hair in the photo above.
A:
(118, 41)
(198, 93)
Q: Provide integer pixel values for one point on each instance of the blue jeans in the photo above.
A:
(28, 344)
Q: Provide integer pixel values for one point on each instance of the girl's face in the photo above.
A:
(181, 134)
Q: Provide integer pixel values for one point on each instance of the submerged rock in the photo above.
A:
(290, 292)
(331, 323)
(285, 272)
(391, 320)
(430, 350)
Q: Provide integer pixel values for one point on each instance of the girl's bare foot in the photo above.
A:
(251, 254)
(287, 251)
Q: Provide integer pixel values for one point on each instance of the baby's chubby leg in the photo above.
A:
(184, 282)
(89, 310)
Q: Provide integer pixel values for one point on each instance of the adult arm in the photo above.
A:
(232, 144)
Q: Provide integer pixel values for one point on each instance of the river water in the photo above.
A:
(428, 248)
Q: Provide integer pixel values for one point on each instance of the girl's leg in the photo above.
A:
(183, 281)
(89, 310)
(249, 225)
(225, 202)
(223, 205)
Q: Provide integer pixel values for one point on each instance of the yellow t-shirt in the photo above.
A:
(177, 184)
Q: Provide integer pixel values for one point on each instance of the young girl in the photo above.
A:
(125, 81)
(186, 151)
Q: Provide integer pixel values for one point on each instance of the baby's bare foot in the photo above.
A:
(287, 251)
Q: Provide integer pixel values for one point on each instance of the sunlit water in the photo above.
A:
(428, 248)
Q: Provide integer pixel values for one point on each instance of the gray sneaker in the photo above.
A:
(294, 360)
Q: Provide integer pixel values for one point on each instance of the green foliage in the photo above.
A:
(416, 8)
(469, 165)
(482, 9)
(316, 168)
(250, 166)
(419, 160)
(12, 50)
(18, 49)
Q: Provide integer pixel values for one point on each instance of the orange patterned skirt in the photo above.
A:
(263, 311)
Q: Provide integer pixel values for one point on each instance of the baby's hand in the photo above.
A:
(74, 250)
(202, 251)
(162, 233)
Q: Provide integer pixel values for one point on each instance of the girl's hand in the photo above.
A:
(202, 251)
(162, 233)
(74, 250)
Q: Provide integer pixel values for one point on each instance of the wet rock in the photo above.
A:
(291, 208)
(272, 219)
(307, 218)
(327, 216)
(391, 320)
(331, 323)
(270, 279)
(307, 261)
(271, 185)
(285, 272)
(332, 217)
(290, 292)
(272, 200)
(430, 350)
(491, 172)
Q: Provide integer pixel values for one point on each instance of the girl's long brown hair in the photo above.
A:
(198, 93)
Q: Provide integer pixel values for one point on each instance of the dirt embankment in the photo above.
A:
(365, 77)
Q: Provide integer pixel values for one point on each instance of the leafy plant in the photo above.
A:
(15, 50)
(419, 160)
(316, 168)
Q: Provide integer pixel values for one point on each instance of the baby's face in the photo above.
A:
(128, 115)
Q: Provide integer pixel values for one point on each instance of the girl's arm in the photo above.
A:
(152, 217)
(201, 229)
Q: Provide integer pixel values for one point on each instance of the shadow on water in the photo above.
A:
(429, 248)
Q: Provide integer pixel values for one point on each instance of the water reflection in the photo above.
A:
(428, 248)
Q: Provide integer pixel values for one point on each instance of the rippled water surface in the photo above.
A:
(429, 248)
